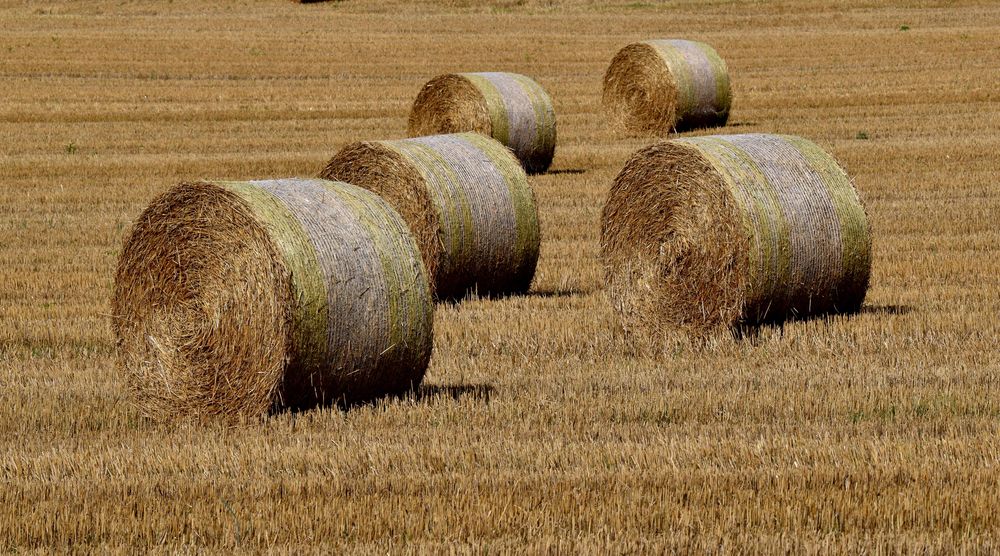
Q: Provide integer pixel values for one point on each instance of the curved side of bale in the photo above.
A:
(468, 201)
(658, 86)
(379, 167)
(511, 108)
(237, 298)
(449, 103)
(732, 230)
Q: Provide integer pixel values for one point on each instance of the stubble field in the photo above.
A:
(539, 425)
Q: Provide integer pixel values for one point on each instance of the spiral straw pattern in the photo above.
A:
(658, 86)
(730, 230)
(238, 298)
(509, 107)
(467, 201)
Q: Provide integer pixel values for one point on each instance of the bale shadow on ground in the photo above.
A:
(887, 309)
(570, 292)
(472, 295)
(751, 332)
(482, 392)
(423, 393)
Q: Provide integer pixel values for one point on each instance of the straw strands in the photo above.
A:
(236, 298)
(509, 107)
(728, 230)
(658, 86)
(467, 201)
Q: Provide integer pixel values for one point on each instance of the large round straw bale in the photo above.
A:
(467, 201)
(239, 298)
(658, 86)
(508, 107)
(733, 230)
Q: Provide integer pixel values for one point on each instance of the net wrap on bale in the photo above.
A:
(658, 86)
(509, 107)
(733, 230)
(235, 299)
(467, 201)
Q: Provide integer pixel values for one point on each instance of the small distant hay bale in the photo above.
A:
(466, 200)
(723, 231)
(508, 107)
(658, 86)
(233, 299)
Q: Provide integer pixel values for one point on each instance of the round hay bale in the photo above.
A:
(467, 201)
(508, 107)
(234, 299)
(655, 87)
(731, 230)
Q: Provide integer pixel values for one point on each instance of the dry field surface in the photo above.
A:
(540, 427)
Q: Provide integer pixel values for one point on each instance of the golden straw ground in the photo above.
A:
(509, 107)
(467, 201)
(733, 229)
(659, 86)
(236, 298)
(539, 427)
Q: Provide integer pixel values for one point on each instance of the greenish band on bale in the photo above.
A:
(731, 230)
(658, 86)
(509, 107)
(239, 298)
(467, 201)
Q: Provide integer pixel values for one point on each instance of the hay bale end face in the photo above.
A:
(508, 107)
(466, 200)
(234, 299)
(731, 230)
(658, 86)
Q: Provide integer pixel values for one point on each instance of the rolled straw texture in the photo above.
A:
(508, 107)
(731, 230)
(467, 201)
(234, 299)
(658, 86)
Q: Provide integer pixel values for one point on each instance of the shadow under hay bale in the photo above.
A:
(508, 107)
(467, 201)
(733, 230)
(658, 86)
(479, 392)
(892, 310)
(233, 299)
